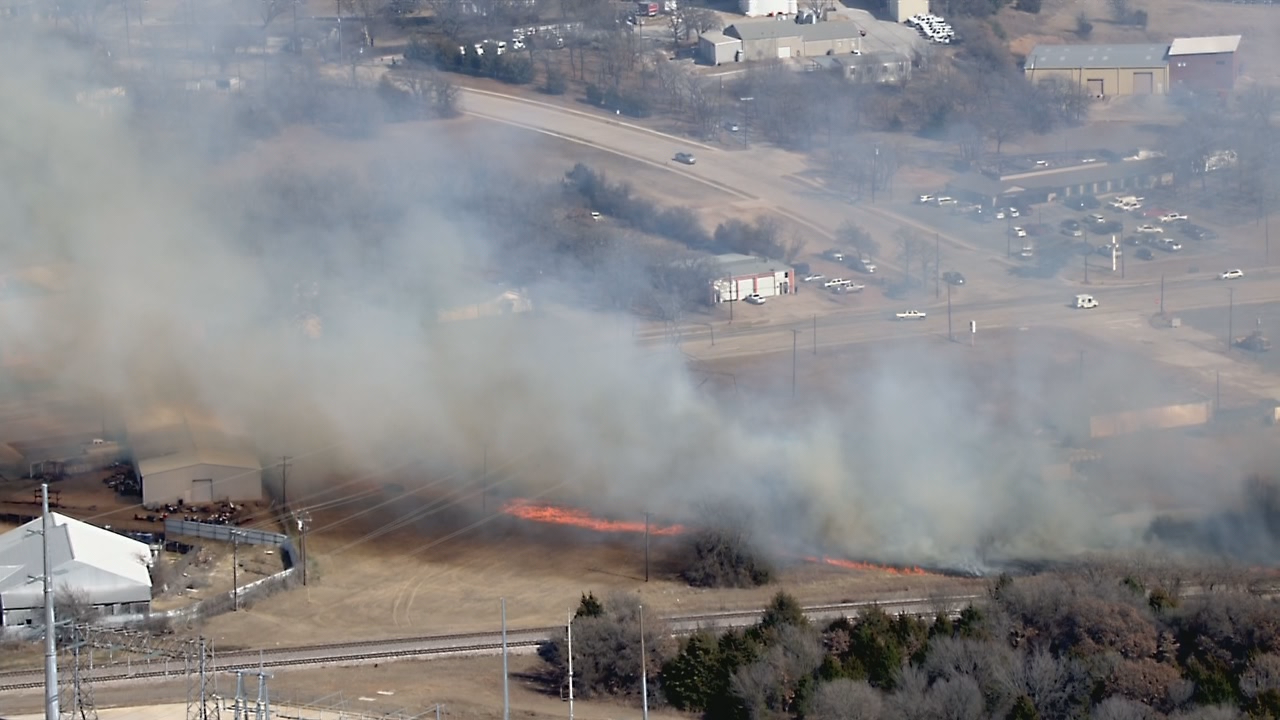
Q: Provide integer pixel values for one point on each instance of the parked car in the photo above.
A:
(1019, 231)
(835, 282)
(1170, 245)
(1145, 254)
(945, 200)
(953, 278)
(1133, 240)
(1072, 228)
(1232, 274)
(755, 299)
(1149, 228)
(926, 199)
(813, 277)
(911, 315)
(1082, 202)
(1107, 250)
(1107, 227)
(865, 266)
(686, 158)
(1172, 217)
(1195, 232)
(834, 254)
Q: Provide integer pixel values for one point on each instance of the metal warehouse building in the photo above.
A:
(110, 571)
(742, 275)
(1103, 70)
(991, 190)
(1204, 64)
(184, 458)
(769, 39)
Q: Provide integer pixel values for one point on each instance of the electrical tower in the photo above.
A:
(202, 697)
(76, 689)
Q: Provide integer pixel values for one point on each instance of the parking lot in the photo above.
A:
(1041, 240)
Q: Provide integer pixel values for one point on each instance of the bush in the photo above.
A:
(1029, 6)
(606, 649)
(555, 82)
(1084, 28)
(723, 557)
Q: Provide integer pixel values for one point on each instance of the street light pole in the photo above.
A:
(1231, 312)
(795, 340)
(1161, 293)
(937, 262)
(950, 335)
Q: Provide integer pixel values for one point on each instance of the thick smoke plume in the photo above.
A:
(179, 286)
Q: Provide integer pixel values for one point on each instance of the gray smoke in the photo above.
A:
(168, 299)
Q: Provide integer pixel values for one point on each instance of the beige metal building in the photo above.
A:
(716, 48)
(900, 10)
(183, 457)
(1103, 70)
(769, 39)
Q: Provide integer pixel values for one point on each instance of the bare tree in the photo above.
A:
(1117, 708)
(369, 11)
(676, 23)
(911, 249)
(702, 20)
(844, 699)
(853, 236)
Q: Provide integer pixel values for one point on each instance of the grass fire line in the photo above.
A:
(579, 518)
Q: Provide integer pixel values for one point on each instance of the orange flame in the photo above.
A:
(855, 565)
(575, 517)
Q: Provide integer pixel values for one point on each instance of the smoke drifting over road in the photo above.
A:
(179, 288)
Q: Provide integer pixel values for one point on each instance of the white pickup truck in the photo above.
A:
(911, 315)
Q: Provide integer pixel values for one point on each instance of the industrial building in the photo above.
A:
(868, 68)
(900, 10)
(761, 8)
(1103, 70)
(186, 459)
(486, 304)
(743, 275)
(103, 569)
(770, 39)
(1205, 64)
(991, 189)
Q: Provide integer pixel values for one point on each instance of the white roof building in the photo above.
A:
(1211, 45)
(185, 458)
(108, 570)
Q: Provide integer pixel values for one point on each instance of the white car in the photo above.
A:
(926, 199)
(1096, 218)
(1019, 231)
(911, 315)
(1232, 275)
(1013, 212)
(814, 277)
(835, 282)
(945, 200)
(1173, 217)
(755, 299)
(1149, 228)
(1000, 215)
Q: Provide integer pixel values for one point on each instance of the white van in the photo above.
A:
(1086, 302)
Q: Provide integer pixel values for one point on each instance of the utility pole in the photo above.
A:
(795, 339)
(644, 672)
(51, 710)
(506, 689)
(1161, 293)
(1231, 313)
(570, 634)
(815, 334)
(284, 480)
(875, 161)
(1086, 269)
(235, 571)
(304, 525)
(950, 335)
(937, 263)
(484, 480)
(646, 547)
(1217, 391)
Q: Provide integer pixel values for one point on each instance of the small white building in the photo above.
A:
(181, 457)
(743, 275)
(760, 8)
(900, 10)
(716, 48)
(104, 569)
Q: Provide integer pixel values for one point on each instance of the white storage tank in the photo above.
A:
(759, 8)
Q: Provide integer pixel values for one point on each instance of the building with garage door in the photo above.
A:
(100, 568)
(182, 457)
(770, 39)
(716, 48)
(1103, 70)
(743, 275)
(1204, 64)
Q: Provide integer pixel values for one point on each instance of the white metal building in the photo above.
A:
(105, 569)
(743, 275)
(900, 10)
(184, 458)
(758, 8)
(715, 48)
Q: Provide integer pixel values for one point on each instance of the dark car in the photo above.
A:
(1107, 227)
(1133, 240)
(953, 278)
(686, 158)
(1196, 232)
(1072, 228)
(1145, 254)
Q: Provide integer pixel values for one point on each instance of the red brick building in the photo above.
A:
(1204, 64)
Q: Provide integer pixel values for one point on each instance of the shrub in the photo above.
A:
(723, 557)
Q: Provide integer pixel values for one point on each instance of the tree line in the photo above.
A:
(1081, 645)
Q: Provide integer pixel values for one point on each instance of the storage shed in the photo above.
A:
(716, 48)
(1205, 64)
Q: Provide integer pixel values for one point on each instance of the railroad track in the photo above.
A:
(426, 646)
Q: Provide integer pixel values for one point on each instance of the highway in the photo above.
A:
(483, 643)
